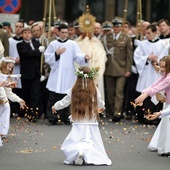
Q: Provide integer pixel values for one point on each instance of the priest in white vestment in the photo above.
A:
(61, 55)
(62, 75)
(93, 47)
(13, 52)
(146, 56)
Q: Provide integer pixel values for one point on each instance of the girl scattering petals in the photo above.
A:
(161, 139)
(84, 143)
(6, 85)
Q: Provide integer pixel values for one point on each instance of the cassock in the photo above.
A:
(62, 75)
(13, 52)
(147, 73)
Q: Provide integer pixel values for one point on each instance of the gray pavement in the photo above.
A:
(36, 146)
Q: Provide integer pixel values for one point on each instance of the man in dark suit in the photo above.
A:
(38, 39)
(30, 54)
(119, 53)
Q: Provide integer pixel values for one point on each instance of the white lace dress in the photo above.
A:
(85, 137)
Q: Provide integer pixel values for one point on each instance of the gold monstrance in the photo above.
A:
(86, 22)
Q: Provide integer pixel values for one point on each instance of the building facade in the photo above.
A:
(69, 10)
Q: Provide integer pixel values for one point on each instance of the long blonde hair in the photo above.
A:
(3, 64)
(84, 97)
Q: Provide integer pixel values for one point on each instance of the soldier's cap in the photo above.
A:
(64, 22)
(57, 23)
(46, 27)
(76, 23)
(117, 22)
(26, 29)
(107, 25)
(70, 25)
(5, 23)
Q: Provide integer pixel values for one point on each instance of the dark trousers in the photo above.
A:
(15, 107)
(130, 94)
(62, 114)
(30, 92)
(142, 110)
(44, 95)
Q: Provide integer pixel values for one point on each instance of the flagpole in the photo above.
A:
(125, 10)
(140, 9)
(54, 12)
(42, 41)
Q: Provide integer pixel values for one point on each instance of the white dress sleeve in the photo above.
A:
(165, 112)
(66, 101)
(12, 96)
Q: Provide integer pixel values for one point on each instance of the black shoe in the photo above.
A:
(151, 122)
(128, 117)
(101, 115)
(116, 118)
(67, 122)
(46, 117)
(34, 120)
(165, 154)
(53, 121)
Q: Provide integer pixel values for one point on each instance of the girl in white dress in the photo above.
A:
(6, 68)
(160, 141)
(84, 143)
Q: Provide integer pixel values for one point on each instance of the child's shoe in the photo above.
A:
(79, 158)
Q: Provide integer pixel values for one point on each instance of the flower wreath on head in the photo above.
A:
(91, 75)
(8, 60)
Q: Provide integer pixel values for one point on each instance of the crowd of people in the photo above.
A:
(124, 54)
(126, 58)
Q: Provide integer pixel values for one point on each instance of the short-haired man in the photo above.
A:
(13, 52)
(146, 55)
(61, 55)
(163, 25)
(118, 67)
(30, 54)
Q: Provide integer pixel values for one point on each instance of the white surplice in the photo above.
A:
(62, 75)
(13, 52)
(147, 73)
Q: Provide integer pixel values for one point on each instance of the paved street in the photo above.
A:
(36, 146)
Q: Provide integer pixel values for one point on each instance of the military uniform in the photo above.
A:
(119, 54)
(5, 42)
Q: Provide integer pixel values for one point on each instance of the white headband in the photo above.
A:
(8, 60)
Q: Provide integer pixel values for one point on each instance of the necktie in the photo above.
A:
(31, 45)
(38, 40)
(115, 37)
